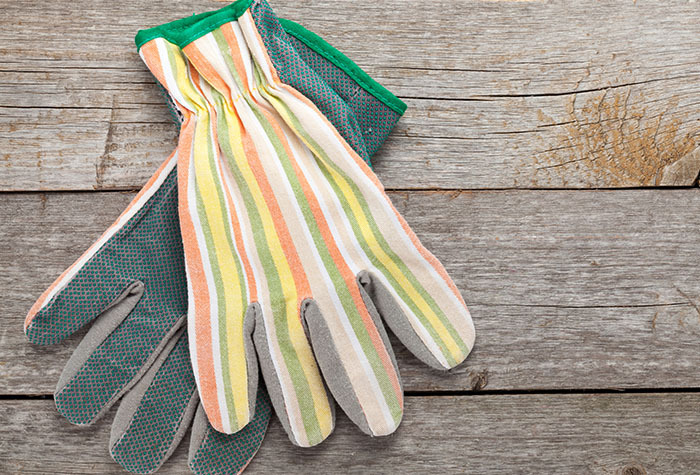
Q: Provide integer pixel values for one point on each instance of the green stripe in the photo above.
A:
(279, 313)
(324, 163)
(339, 283)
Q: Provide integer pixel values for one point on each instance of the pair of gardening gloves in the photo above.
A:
(264, 245)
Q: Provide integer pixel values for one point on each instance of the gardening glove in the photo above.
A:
(133, 279)
(294, 253)
(132, 282)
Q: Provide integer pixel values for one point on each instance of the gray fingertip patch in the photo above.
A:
(390, 311)
(251, 358)
(200, 428)
(329, 362)
(155, 414)
(272, 382)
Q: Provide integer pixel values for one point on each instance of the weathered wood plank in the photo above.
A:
(597, 434)
(568, 289)
(501, 94)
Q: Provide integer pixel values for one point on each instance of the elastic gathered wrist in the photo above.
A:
(186, 30)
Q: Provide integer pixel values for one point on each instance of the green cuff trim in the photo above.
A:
(322, 47)
(185, 31)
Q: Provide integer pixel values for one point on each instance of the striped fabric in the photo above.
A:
(291, 246)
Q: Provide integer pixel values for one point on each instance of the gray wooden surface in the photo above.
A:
(527, 120)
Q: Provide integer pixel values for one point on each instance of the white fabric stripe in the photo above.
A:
(380, 204)
(250, 31)
(350, 361)
(134, 207)
(192, 328)
(247, 58)
(322, 288)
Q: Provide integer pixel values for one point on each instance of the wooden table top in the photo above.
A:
(549, 158)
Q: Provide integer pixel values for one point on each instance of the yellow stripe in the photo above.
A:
(296, 332)
(239, 385)
(235, 307)
(367, 233)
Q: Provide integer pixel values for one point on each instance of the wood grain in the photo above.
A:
(501, 94)
(575, 294)
(530, 434)
(567, 289)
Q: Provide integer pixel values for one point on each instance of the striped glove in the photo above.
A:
(294, 253)
(132, 283)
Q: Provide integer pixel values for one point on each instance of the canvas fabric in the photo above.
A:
(294, 254)
(132, 284)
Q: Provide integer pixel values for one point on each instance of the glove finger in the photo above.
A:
(292, 377)
(111, 358)
(104, 272)
(214, 453)
(358, 364)
(223, 357)
(225, 391)
(155, 414)
(380, 236)
(420, 324)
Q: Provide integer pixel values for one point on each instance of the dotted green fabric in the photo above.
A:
(375, 119)
(148, 249)
(360, 118)
(150, 435)
(221, 454)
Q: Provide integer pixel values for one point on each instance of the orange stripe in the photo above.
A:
(195, 56)
(236, 56)
(198, 279)
(152, 60)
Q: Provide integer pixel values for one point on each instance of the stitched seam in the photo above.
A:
(346, 65)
